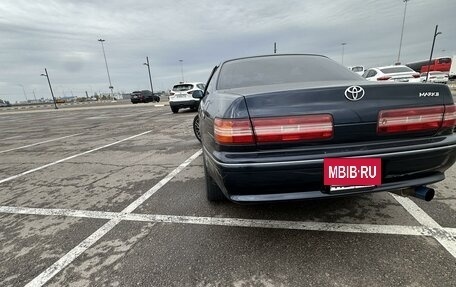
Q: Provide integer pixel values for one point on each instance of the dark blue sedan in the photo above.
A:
(270, 125)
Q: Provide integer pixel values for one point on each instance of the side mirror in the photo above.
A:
(198, 94)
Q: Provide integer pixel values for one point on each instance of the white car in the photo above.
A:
(396, 73)
(435, 77)
(357, 69)
(181, 96)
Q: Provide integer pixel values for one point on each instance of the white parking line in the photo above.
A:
(445, 236)
(447, 240)
(452, 231)
(414, 210)
(60, 264)
(233, 222)
(13, 137)
(59, 212)
(38, 143)
(70, 157)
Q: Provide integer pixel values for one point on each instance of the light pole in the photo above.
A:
(50, 87)
(182, 69)
(275, 48)
(107, 69)
(432, 51)
(343, 50)
(398, 62)
(23, 90)
(150, 77)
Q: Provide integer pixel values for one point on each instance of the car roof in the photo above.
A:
(391, 66)
(189, 83)
(272, 55)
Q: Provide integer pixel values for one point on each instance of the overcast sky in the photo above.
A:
(62, 36)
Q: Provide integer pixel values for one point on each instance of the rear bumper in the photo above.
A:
(184, 104)
(294, 177)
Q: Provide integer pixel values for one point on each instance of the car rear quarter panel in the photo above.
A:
(219, 105)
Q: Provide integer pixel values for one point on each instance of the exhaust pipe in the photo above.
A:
(424, 192)
(421, 192)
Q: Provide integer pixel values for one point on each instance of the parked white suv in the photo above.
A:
(396, 73)
(181, 96)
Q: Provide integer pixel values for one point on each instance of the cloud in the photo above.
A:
(62, 36)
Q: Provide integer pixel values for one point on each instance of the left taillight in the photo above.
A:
(411, 120)
(274, 129)
(233, 131)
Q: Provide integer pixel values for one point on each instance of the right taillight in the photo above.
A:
(449, 119)
(410, 120)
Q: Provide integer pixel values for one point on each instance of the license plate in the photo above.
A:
(181, 96)
(352, 172)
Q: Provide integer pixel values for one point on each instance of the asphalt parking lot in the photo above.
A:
(115, 196)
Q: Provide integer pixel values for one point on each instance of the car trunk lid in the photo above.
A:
(354, 119)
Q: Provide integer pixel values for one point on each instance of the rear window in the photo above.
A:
(396, 70)
(260, 71)
(183, 87)
(444, 61)
(357, 69)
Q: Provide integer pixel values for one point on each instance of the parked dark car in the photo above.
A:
(144, 96)
(268, 124)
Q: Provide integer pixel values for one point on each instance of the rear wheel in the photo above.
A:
(213, 192)
(174, 110)
(196, 127)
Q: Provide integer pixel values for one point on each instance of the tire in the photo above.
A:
(158, 100)
(196, 128)
(213, 192)
(174, 110)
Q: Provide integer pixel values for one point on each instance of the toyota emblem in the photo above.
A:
(354, 93)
